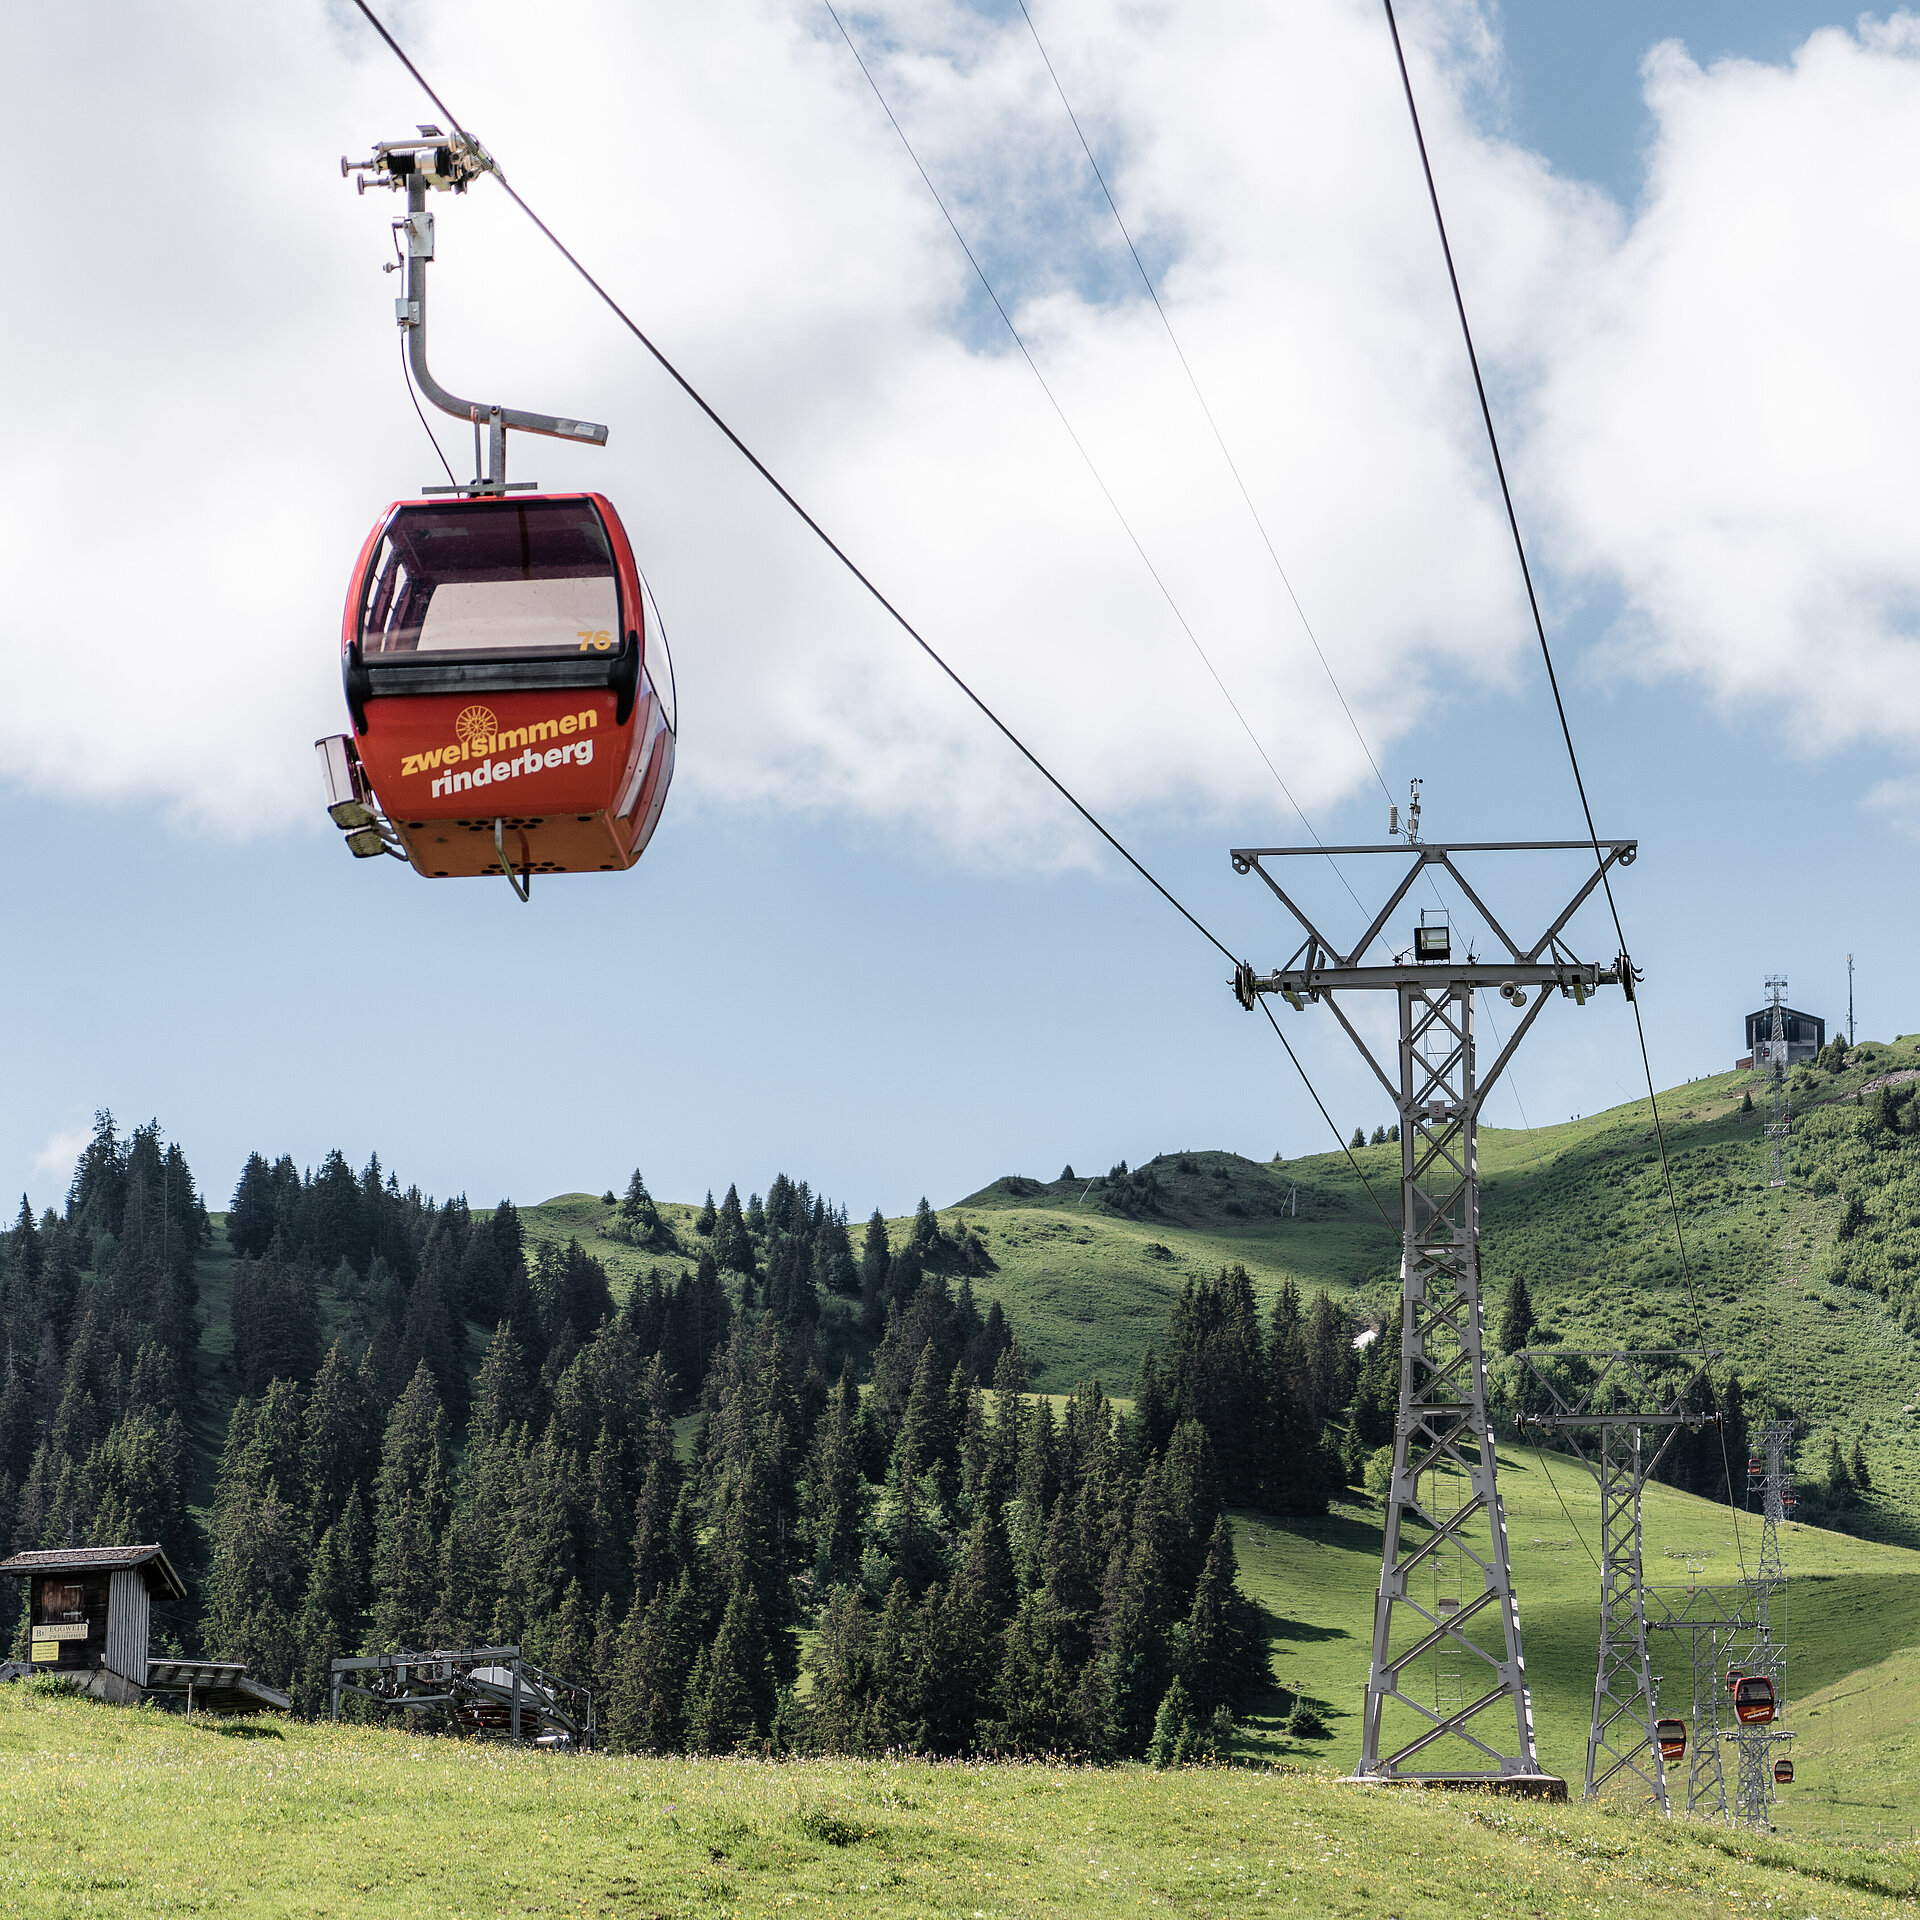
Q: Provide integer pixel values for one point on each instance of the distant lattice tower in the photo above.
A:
(1764, 1656)
(1778, 1126)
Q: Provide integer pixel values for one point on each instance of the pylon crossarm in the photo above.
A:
(1622, 851)
(1251, 864)
(1380, 919)
(1486, 913)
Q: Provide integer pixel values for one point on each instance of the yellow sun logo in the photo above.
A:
(475, 726)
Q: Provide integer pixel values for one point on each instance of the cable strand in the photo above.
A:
(1126, 526)
(1153, 294)
(1566, 729)
(820, 533)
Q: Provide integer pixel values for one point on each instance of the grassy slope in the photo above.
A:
(1580, 1208)
(107, 1811)
(1851, 1604)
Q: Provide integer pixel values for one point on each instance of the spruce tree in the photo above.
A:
(706, 1219)
(876, 1264)
(1173, 1729)
(735, 1698)
(1518, 1322)
(1222, 1652)
(836, 1493)
(410, 1514)
(1857, 1466)
(1839, 1482)
(639, 1219)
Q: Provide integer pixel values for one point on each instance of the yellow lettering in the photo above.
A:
(542, 730)
(589, 719)
(411, 764)
(568, 724)
(517, 738)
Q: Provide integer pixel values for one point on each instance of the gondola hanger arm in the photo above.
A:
(451, 163)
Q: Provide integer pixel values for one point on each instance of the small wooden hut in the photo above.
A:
(89, 1612)
(89, 1615)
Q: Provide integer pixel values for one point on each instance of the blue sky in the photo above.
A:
(913, 975)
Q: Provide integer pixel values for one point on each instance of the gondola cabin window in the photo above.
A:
(497, 577)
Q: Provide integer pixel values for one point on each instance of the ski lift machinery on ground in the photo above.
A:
(506, 674)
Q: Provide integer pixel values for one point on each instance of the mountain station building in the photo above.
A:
(1805, 1034)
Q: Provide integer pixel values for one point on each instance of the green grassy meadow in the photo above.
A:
(1852, 1607)
(115, 1811)
(110, 1811)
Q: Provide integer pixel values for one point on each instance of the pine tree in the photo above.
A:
(1222, 1651)
(639, 1219)
(646, 1709)
(840, 1674)
(1839, 1482)
(876, 1267)
(1173, 1729)
(410, 1514)
(1857, 1466)
(1518, 1322)
(706, 1219)
(732, 1243)
(836, 1493)
(736, 1700)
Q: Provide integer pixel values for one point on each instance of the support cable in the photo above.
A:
(426, 427)
(1146, 280)
(1566, 734)
(1126, 526)
(839, 553)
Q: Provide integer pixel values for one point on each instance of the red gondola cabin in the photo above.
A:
(1753, 1699)
(512, 702)
(1672, 1738)
(1783, 1773)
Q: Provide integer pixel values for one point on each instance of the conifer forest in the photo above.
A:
(791, 1493)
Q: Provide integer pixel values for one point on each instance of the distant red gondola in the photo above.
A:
(1672, 1738)
(1753, 1701)
(1783, 1773)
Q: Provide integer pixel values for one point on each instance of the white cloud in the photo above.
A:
(1728, 415)
(1711, 405)
(55, 1162)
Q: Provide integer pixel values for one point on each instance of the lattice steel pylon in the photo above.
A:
(1763, 1655)
(1781, 1122)
(1621, 1397)
(1443, 1433)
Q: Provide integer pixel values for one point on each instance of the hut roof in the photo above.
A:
(99, 1560)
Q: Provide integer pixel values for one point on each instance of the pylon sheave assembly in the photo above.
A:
(1447, 1697)
(506, 674)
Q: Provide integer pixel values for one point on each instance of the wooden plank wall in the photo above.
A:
(127, 1619)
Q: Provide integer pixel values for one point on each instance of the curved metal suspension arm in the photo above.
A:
(496, 419)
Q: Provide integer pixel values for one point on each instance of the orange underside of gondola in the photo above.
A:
(552, 768)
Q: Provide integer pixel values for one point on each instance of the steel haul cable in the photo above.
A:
(839, 553)
(1126, 526)
(1153, 294)
(1566, 733)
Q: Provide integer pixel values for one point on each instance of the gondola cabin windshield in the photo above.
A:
(499, 578)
